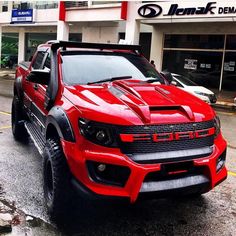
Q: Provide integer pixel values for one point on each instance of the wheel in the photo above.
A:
(56, 177)
(17, 121)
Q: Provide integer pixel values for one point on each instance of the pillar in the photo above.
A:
(62, 30)
(10, 6)
(21, 45)
(132, 30)
(157, 47)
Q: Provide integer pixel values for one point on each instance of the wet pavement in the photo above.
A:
(22, 197)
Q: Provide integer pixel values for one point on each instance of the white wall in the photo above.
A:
(100, 34)
(93, 14)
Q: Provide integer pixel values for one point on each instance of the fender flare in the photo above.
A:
(59, 119)
(18, 90)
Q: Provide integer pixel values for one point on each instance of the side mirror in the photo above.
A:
(173, 82)
(168, 76)
(39, 76)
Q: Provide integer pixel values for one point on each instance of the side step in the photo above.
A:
(36, 137)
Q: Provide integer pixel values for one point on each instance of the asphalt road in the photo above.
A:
(21, 180)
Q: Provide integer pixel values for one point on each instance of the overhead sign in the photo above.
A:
(22, 16)
(168, 9)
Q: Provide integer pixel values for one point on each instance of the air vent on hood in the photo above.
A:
(164, 108)
(184, 109)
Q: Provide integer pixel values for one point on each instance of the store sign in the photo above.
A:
(174, 10)
(21, 16)
(150, 10)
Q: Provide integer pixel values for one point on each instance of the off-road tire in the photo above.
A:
(56, 177)
(18, 118)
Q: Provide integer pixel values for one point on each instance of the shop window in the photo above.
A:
(4, 6)
(229, 75)
(144, 40)
(46, 4)
(73, 4)
(9, 55)
(201, 67)
(194, 41)
(231, 42)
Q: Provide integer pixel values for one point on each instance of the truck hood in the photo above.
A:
(137, 102)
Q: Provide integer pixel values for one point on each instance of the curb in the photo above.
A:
(224, 105)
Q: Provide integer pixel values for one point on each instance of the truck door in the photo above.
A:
(34, 99)
(38, 108)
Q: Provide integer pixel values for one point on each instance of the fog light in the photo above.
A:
(101, 167)
(103, 173)
(220, 161)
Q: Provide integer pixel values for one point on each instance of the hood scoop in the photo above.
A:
(143, 101)
(184, 109)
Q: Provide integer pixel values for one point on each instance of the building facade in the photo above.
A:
(193, 38)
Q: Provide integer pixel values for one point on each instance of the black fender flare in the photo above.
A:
(59, 119)
(18, 90)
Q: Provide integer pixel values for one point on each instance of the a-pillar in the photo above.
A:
(132, 30)
(62, 30)
(157, 47)
(21, 45)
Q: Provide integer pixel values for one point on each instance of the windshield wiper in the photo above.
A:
(111, 79)
(153, 80)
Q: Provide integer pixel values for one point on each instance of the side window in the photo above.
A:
(38, 60)
(47, 63)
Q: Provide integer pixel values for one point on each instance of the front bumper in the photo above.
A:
(143, 179)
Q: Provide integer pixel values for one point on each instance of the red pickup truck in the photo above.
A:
(108, 125)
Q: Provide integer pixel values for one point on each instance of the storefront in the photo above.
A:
(202, 58)
(193, 38)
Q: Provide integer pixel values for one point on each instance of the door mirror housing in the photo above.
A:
(168, 76)
(39, 76)
(173, 82)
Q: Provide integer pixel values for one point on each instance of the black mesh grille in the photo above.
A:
(151, 147)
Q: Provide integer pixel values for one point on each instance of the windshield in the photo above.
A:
(91, 67)
(185, 80)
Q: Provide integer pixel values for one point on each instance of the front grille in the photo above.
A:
(148, 146)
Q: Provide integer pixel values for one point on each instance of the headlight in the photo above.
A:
(96, 132)
(217, 126)
(201, 93)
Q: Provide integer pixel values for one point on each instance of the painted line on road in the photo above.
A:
(232, 173)
(5, 113)
(5, 127)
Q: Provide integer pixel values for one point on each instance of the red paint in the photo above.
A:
(62, 11)
(96, 102)
(124, 10)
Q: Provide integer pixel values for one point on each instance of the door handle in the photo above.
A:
(36, 87)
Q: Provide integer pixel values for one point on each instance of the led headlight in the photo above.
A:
(96, 132)
(217, 126)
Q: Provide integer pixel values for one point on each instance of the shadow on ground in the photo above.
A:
(156, 217)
